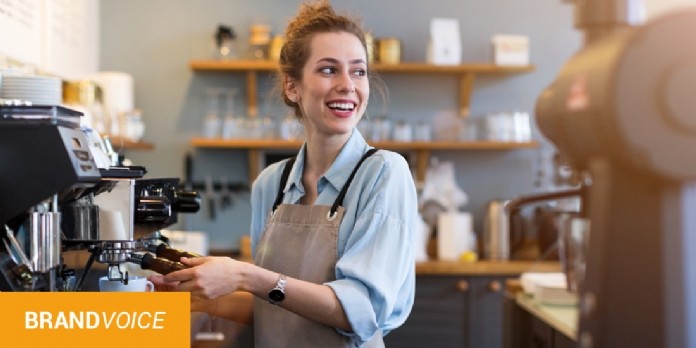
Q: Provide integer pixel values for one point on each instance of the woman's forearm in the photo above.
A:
(237, 306)
(315, 302)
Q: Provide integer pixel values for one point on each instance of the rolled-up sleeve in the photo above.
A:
(376, 271)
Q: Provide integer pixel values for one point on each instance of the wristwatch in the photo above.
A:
(277, 294)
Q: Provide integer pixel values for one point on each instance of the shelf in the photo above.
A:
(120, 143)
(421, 149)
(464, 72)
(267, 144)
(418, 68)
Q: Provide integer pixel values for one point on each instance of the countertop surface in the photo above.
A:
(484, 268)
(563, 319)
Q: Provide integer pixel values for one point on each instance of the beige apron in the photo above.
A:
(301, 242)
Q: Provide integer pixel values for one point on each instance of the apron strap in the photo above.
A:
(283, 182)
(341, 195)
(344, 190)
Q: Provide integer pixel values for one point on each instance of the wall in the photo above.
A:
(655, 8)
(154, 40)
(58, 37)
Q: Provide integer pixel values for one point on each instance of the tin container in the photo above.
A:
(389, 51)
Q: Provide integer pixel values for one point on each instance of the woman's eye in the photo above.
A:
(327, 70)
(360, 72)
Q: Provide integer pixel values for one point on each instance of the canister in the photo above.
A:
(389, 51)
(370, 46)
(496, 231)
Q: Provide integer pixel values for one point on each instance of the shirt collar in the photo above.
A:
(340, 170)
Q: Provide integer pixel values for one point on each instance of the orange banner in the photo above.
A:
(95, 319)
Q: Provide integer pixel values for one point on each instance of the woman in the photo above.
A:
(332, 229)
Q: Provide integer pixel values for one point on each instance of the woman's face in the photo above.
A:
(334, 89)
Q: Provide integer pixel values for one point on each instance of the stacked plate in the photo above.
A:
(549, 288)
(39, 90)
(555, 293)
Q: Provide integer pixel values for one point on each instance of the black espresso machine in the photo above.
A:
(55, 198)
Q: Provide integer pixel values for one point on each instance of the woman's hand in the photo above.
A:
(209, 277)
(161, 284)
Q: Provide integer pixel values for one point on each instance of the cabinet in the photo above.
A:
(465, 74)
(453, 311)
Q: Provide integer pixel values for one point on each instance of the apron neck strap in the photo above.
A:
(341, 195)
(283, 182)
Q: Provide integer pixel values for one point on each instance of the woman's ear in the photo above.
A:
(291, 90)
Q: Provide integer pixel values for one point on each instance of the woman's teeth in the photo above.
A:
(342, 106)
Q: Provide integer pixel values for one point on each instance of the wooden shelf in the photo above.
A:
(267, 144)
(406, 67)
(464, 72)
(421, 149)
(120, 143)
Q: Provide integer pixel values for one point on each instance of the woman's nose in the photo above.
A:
(345, 83)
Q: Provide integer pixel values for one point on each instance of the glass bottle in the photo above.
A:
(211, 123)
(233, 126)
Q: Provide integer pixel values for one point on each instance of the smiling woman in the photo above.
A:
(333, 92)
(331, 229)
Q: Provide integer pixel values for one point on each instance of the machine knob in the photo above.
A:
(153, 209)
(186, 201)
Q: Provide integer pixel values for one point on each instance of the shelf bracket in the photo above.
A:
(422, 160)
(466, 86)
(254, 164)
(251, 93)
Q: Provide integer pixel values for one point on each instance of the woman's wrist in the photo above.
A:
(246, 276)
(199, 304)
(257, 280)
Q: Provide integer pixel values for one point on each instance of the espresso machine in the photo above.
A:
(622, 110)
(55, 197)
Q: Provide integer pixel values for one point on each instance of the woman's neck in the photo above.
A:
(321, 153)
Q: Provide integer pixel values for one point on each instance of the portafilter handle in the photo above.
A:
(164, 251)
(156, 264)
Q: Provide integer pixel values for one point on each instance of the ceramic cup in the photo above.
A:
(135, 284)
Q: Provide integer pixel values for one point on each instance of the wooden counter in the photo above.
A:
(460, 304)
(484, 268)
(563, 319)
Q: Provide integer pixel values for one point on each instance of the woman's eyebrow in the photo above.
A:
(335, 61)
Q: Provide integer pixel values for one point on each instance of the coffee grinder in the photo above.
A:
(621, 110)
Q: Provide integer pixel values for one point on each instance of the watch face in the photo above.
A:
(276, 295)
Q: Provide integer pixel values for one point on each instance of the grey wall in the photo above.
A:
(154, 40)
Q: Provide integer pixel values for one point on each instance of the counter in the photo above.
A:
(485, 268)
(460, 304)
(529, 323)
(563, 319)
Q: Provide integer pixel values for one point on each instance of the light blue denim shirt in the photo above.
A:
(375, 272)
